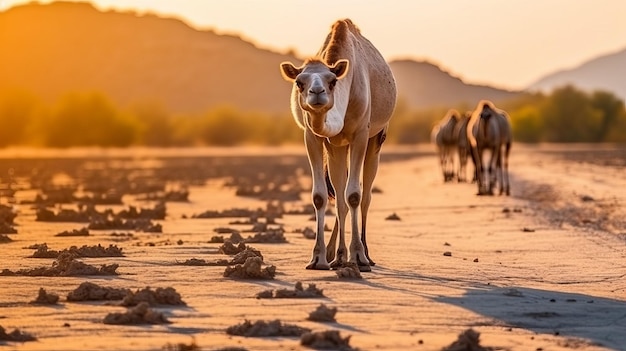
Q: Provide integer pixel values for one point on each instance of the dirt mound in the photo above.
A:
(271, 236)
(202, 262)
(242, 256)
(15, 335)
(467, 341)
(88, 291)
(298, 292)
(323, 314)
(228, 248)
(43, 298)
(349, 270)
(160, 296)
(140, 314)
(263, 329)
(83, 251)
(326, 340)
(74, 232)
(251, 269)
(64, 266)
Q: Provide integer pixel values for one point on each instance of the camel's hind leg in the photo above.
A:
(338, 169)
(505, 166)
(370, 168)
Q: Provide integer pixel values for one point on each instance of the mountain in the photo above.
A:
(60, 47)
(602, 73)
(423, 84)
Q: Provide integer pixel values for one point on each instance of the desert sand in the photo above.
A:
(543, 269)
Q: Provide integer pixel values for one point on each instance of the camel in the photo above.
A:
(463, 147)
(343, 99)
(444, 136)
(489, 128)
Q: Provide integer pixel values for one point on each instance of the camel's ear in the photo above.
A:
(289, 71)
(340, 68)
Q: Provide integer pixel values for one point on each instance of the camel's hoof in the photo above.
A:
(315, 264)
(338, 263)
(363, 266)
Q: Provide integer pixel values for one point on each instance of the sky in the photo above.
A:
(503, 43)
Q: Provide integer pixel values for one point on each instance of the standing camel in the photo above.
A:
(464, 148)
(445, 137)
(489, 128)
(343, 99)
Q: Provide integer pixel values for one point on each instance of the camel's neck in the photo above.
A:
(329, 124)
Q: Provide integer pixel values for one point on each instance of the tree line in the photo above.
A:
(92, 119)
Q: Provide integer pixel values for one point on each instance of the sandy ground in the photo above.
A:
(544, 269)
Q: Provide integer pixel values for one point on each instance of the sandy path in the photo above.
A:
(553, 286)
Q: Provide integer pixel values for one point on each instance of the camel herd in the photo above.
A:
(487, 129)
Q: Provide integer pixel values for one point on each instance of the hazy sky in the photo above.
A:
(506, 43)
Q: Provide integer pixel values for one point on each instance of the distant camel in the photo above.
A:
(489, 128)
(343, 99)
(464, 147)
(444, 136)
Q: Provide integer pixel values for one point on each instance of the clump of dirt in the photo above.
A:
(393, 217)
(298, 292)
(467, 340)
(7, 214)
(140, 314)
(251, 269)
(271, 236)
(326, 340)
(308, 233)
(228, 248)
(158, 297)
(157, 212)
(83, 214)
(234, 212)
(84, 251)
(4, 239)
(323, 314)
(262, 329)
(74, 232)
(348, 270)
(122, 236)
(44, 298)
(202, 262)
(6, 228)
(138, 224)
(88, 291)
(242, 256)
(65, 265)
(15, 335)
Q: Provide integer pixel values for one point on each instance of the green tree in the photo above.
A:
(569, 116)
(612, 109)
(18, 109)
(89, 120)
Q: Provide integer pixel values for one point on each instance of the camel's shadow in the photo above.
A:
(599, 320)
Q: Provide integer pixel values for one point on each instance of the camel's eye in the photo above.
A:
(332, 83)
(300, 85)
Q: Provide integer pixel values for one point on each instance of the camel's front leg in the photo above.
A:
(315, 151)
(354, 194)
(338, 170)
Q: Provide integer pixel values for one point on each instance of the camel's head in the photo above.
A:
(315, 83)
